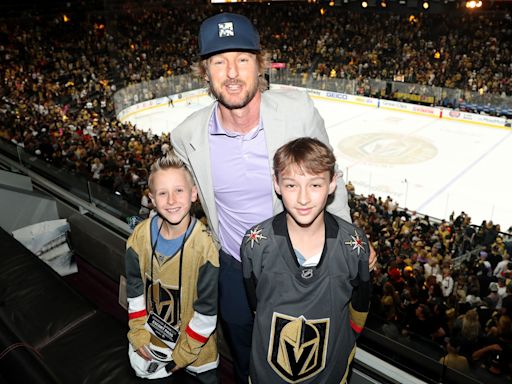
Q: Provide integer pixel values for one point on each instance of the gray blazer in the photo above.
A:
(286, 115)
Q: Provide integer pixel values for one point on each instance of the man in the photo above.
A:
(229, 147)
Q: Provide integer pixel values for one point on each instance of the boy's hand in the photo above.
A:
(144, 353)
(172, 367)
(175, 369)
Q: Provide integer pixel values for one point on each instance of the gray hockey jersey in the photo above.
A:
(307, 318)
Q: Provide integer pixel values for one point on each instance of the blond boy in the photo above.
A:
(172, 272)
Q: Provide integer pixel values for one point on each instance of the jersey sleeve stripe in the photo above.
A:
(355, 327)
(136, 315)
(203, 325)
(136, 304)
(196, 336)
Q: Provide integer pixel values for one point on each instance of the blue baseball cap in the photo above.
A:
(227, 32)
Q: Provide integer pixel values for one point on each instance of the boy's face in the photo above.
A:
(304, 195)
(172, 194)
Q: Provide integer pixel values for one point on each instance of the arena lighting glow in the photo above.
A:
(473, 4)
(384, 4)
(426, 5)
(322, 11)
(364, 4)
(331, 3)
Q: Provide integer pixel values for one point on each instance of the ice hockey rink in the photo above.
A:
(430, 165)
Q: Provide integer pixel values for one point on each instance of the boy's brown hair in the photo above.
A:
(310, 155)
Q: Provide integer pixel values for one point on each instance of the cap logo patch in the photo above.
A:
(226, 29)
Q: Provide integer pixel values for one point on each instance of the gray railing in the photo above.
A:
(409, 92)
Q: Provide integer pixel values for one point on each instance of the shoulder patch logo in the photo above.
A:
(254, 236)
(297, 347)
(356, 243)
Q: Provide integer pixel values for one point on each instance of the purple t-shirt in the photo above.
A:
(242, 182)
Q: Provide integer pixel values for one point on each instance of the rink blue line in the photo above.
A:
(464, 171)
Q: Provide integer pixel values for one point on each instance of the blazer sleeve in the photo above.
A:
(178, 144)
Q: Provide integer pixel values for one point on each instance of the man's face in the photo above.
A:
(233, 78)
(304, 195)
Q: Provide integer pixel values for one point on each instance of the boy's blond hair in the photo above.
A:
(308, 154)
(170, 160)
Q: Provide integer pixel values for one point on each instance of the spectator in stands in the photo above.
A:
(501, 267)
(502, 291)
(468, 330)
(473, 287)
(493, 294)
(447, 282)
(506, 304)
(496, 353)
(453, 359)
(96, 169)
(146, 205)
(432, 267)
(390, 302)
(420, 324)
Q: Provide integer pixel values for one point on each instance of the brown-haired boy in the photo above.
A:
(307, 277)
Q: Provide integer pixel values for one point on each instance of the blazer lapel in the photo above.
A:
(199, 157)
(275, 136)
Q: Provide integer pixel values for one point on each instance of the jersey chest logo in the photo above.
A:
(165, 300)
(297, 347)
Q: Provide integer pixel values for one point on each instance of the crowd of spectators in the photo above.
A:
(448, 283)
(60, 71)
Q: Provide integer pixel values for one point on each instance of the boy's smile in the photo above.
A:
(173, 193)
(304, 195)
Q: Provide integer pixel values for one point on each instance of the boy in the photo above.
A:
(172, 272)
(307, 276)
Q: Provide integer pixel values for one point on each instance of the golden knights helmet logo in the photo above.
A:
(297, 347)
(165, 299)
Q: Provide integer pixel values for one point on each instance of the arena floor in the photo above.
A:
(429, 165)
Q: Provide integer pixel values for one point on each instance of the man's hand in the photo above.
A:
(373, 258)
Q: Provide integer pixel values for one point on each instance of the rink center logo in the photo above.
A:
(297, 347)
(387, 148)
